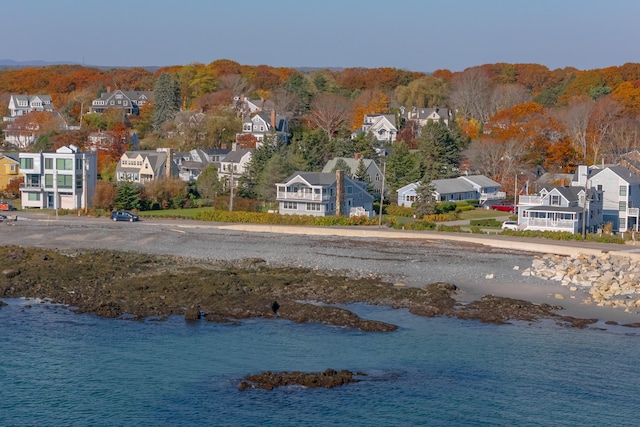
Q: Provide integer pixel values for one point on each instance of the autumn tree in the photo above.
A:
(209, 186)
(104, 196)
(329, 112)
(166, 101)
(368, 102)
(575, 118)
(427, 91)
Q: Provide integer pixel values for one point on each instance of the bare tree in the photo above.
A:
(576, 120)
(601, 126)
(329, 112)
(236, 83)
(471, 94)
(624, 138)
(285, 100)
(506, 96)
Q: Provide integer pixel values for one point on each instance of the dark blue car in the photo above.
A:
(124, 216)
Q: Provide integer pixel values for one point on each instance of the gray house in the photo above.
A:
(472, 187)
(372, 171)
(323, 194)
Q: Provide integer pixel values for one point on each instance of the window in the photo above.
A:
(48, 181)
(78, 164)
(623, 190)
(622, 206)
(290, 205)
(555, 200)
(48, 164)
(78, 181)
(26, 163)
(64, 164)
(12, 168)
(65, 181)
(34, 197)
(112, 103)
(313, 206)
(125, 103)
(349, 189)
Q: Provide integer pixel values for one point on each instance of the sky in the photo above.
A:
(415, 35)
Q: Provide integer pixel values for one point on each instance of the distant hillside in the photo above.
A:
(34, 63)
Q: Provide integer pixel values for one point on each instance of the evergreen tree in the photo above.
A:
(209, 186)
(277, 169)
(248, 182)
(403, 167)
(343, 166)
(425, 203)
(166, 102)
(127, 196)
(440, 149)
(361, 172)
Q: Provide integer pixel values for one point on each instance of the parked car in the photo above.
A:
(3, 217)
(510, 225)
(124, 216)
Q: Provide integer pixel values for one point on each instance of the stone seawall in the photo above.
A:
(606, 280)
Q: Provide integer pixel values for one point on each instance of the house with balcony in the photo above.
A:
(324, 194)
(192, 163)
(130, 101)
(468, 187)
(557, 208)
(63, 179)
(145, 166)
(621, 188)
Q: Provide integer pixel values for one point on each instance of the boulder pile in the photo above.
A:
(608, 280)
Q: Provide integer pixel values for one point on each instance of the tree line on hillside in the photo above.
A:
(507, 118)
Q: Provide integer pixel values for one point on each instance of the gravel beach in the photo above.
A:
(477, 269)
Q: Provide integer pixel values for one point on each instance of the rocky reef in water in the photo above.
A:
(269, 380)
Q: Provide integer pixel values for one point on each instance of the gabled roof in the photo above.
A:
(624, 173)
(481, 181)
(236, 156)
(314, 178)
(350, 161)
(452, 186)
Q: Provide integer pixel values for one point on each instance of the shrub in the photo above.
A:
(277, 219)
(488, 222)
(399, 211)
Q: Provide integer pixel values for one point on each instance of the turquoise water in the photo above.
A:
(63, 369)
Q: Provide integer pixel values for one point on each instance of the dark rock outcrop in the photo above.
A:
(269, 380)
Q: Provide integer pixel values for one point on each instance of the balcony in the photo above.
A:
(534, 200)
(496, 195)
(546, 224)
(301, 196)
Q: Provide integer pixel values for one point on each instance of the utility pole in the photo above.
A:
(384, 170)
(231, 190)
(584, 211)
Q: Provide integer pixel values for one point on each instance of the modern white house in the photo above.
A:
(64, 179)
(324, 194)
(468, 187)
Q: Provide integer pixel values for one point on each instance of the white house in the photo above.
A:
(424, 115)
(233, 166)
(64, 179)
(19, 105)
(260, 125)
(471, 187)
(323, 194)
(382, 126)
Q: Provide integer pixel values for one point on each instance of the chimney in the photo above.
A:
(234, 146)
(168, 163)
(273, 119)
(356, 156)
(108, 89)
(339, 192)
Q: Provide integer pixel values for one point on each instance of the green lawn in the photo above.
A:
(174, 213)
(482, 214)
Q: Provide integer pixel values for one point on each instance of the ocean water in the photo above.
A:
(58, 368)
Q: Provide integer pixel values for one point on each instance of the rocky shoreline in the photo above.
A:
(605, 280)
(131, 285)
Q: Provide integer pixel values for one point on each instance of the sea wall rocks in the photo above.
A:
(607, 280)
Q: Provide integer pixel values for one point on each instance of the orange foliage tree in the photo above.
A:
(369, 102)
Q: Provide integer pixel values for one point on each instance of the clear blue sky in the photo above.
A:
(417, 35)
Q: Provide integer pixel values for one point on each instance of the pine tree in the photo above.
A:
(361, 172)
(425, 203)
(166, 102)
(343, 166)
(127, 196)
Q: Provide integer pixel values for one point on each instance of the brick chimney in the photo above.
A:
(273, 119)
(168, 163)
(339, 192)
(356, 156)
